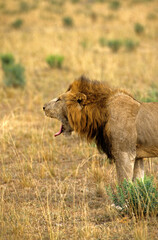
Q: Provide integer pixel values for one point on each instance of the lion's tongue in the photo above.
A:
(60, 131)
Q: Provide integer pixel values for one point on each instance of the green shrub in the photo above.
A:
(139, 198)
(102, 42)
(24, 6)
(114, 5)
(139, 28)
(17, 23)
(75, 1)
(14, 75)
(114, 45)
(68, 22)
(130, 45)
(101, 1)
(7, 59)
(58, 3)
(55, 61)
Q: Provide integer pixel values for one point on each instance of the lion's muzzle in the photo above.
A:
(56, 108)
(51, 108)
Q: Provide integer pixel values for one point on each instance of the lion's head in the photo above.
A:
(82, 109)
(56, 108)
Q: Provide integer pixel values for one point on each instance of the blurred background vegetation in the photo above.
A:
(109, 40)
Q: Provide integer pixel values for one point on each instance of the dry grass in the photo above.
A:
(53, 188)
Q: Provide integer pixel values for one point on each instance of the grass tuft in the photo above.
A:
(139, 198)
(138, 28)
(55, 61)
(130, 45)
(114, 45)
(13, 73)
(17, 23)
(114, 5)
(24, 6)
(7, 59)
(68, 21)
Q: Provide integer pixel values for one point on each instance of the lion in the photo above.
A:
(123, 128)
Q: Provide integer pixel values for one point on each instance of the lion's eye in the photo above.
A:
(58, 99)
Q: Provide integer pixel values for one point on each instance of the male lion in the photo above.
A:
(123, 128)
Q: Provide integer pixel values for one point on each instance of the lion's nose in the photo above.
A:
(44, 107)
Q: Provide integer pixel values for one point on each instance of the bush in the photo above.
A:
(130, 45)
(139, 198)
(68, 22)
(13, 73)
(7, 59)
(24, 6)
(114, 45)
(139, 28)
(57, 2)
(17, 23)
(75, 1)
(101, 1)
(114, 5)
(55, 61)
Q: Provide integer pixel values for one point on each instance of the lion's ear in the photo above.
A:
(81, 98)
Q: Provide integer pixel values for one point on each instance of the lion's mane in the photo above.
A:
(122, 127)
(90, 118)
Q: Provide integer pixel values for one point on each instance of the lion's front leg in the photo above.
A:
(138, 169)
(122, 132)
(125, 166)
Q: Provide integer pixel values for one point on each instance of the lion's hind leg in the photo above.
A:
(138, 169)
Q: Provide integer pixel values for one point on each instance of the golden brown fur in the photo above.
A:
(123, 128)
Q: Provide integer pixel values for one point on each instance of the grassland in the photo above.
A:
(54, 188)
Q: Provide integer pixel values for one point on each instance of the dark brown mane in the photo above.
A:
(89, 119)
(92, 88)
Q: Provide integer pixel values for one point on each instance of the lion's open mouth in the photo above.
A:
(60, 131)
(64, 129)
